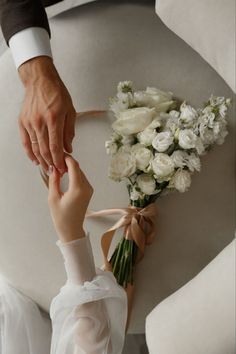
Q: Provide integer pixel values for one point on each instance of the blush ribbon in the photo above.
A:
(138, 224)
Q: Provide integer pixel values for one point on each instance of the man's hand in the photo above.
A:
(47, 118)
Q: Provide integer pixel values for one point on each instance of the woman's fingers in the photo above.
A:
(74, 173)
(54, 184)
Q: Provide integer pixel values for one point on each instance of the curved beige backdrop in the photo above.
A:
(94, 47)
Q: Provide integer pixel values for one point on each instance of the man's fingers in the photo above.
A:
(26, 142)
(74, 173)
(69, 131)
(55, 132)
(43, 144)
(54, 183)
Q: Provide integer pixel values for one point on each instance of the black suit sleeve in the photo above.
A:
(16, 15)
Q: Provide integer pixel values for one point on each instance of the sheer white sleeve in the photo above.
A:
(89, 314)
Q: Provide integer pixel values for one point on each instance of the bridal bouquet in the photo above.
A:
(155, 147)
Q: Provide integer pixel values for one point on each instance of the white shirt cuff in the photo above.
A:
(30, 43)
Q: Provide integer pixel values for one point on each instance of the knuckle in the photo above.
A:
(55, 148)
(52, 117)
(37, 122)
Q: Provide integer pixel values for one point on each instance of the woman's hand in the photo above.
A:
(68, 209)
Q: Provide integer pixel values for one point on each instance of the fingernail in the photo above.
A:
(50, 170)
(36, 163)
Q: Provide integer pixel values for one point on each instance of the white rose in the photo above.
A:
(123, 164)
(111, 147)
(162, 166)
(142, 155)
(146, 137)
(187, 115)
(179, 158)
(147, 184)
(134, 120)
(187, 139)
(163, 141)
(154, 97)
(193, 162)
(181, 180)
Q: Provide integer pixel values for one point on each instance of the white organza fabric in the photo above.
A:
(23, 329)
(88, 315)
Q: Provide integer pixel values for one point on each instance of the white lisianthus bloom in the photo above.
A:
(111, 147)
(154, 97)
(134, 120)
(193, 162)
(123, 164)
(163, 141)
(179, 158)
(146, 137)
(162, 166)
(147, 184)
(143, 156)
(187, 139)
(187, 115)
(181, 180)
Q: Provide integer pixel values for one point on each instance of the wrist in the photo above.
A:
(64, 238)
(36, 69)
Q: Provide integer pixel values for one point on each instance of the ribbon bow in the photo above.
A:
(138, 223)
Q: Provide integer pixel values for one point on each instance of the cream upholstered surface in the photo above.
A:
(94, 47)
(200, 317)
(208, 26)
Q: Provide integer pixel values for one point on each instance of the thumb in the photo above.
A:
(54, 182)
